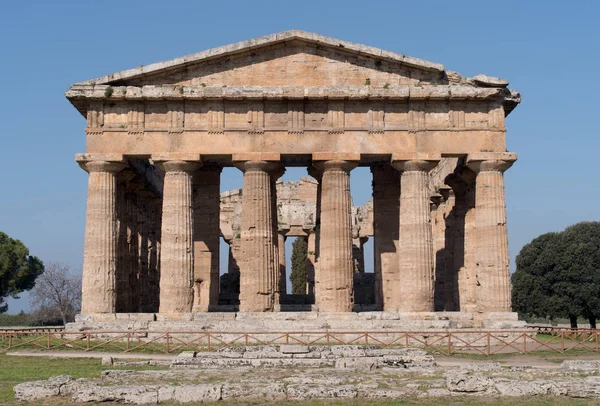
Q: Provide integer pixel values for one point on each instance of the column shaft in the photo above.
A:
(206, 238)
(386, 212)
(257, 268)
(493, 274)
(335, 270)
(282, 268)
(311, 263)
(415, 241)
(177, 248)
(99, 260)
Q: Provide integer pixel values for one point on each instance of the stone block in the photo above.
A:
(197, 393)
(30, 391)
(261, 391)
(293, 349)
(581, 365)
(359, 363)
(299, 392)
(107, 360)
(468, 383)
(138, 395)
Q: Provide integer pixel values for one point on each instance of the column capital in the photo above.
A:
(415, 165)
(315, 173)
(101, 166)
(415, 161)
(335, 165)
(188, 167)
(272, 168)
(490, 161)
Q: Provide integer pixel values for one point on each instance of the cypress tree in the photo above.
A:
(299, 262)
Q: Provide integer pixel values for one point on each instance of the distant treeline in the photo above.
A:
(27, 320)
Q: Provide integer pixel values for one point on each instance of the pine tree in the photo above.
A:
(299, 262)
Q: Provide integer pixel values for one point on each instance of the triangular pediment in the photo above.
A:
(291, 58)
(307, 63)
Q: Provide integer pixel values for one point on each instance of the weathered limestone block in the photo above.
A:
(99, 258)
(514, 388)
(297, 392)
(457, 382)
(263, 392)
(581, 365)
(177, 248)
(335, 270)
(138, 395)
(30, 391)
(415, 240)
(293, 349)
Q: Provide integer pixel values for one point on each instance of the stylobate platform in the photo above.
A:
(294, 321)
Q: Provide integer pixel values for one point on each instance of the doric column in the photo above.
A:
(154, 257)
(258, 284)
(99, 258)
(493, 274)
(276, 173)
(207, 232)
(335, 270)
(415, 242)
(386, 212)
(143, 273)
(281, 273)
(123, 261)
(177, 244)
(314, 237)
(311, 262)
(464, 238)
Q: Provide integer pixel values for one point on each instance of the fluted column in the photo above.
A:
(99, 256)
(177, 245)
(311, 262)
(415, 241)
(206, 238)
(276, 173)
(462, 233)
(257, 267)
(335, 270)
(282, 275)
(493, 274)
(386, 212)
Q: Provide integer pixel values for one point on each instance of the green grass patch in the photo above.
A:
(14, 370)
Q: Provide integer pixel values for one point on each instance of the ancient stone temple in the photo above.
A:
(159, 135)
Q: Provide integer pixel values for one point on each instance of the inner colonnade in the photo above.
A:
(163, 213)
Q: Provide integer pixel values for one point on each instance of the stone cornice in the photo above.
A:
(170, 92)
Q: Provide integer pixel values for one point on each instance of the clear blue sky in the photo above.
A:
(549, 50)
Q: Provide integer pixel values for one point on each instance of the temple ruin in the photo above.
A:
(158, 136)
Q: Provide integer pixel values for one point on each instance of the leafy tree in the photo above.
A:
(558, 275)
(299, 262)
(57, 293)
(18, 269)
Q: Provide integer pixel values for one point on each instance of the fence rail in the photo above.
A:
(440, 342)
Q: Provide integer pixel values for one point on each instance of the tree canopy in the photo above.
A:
(18, 269)
(558, 275)
(57, 294)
